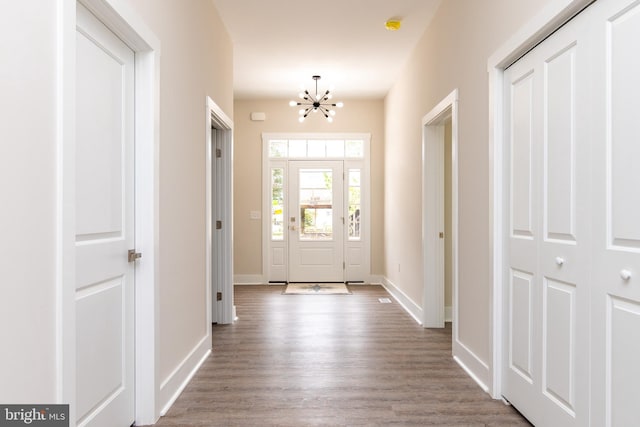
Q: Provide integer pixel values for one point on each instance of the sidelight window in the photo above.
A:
(277, 204)
(354, 204)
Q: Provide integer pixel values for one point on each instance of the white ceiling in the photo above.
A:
(279, 44)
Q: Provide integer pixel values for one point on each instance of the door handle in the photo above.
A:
(132, 255)
(625, 274)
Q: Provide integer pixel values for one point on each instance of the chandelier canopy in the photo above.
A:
(316, 102)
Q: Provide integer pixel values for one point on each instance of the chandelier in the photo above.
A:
(314, 103)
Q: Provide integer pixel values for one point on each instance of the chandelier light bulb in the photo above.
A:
(330, 119)
(292, 103)
(339, 104)
(301, 119)
(332, 112)
(301, 111)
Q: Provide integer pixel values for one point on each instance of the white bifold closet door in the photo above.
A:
(572, 282)
(546, 283)
(615, 297)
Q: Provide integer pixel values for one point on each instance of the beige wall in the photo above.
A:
(356, 116)
(196, 61)
(452, 53)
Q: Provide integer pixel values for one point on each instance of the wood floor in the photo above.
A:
(331, 360)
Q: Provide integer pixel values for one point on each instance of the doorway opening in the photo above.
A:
(316, 225)
(219, 266)
(440, 214)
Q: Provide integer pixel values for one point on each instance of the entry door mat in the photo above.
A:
(316, 289)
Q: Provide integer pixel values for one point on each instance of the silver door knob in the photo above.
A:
(559, 261)
(132, 255)
(625, 274)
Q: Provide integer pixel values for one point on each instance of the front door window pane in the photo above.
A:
(316, 204)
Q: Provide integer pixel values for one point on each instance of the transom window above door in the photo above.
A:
(316, 148)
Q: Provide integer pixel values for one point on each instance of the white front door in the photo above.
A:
(104, 226)
(546, 284)
(316, 221)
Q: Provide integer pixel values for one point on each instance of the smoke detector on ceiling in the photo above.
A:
(393, 24)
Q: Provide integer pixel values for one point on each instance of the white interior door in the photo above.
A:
(316, 221)
(546, 285)
(104, 226)
(615, 300)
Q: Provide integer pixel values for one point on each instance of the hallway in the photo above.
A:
(331, 360)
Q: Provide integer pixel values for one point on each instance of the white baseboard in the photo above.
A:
(405, 302)
(472, 364)
(175, 383)
(248, 279)
(258, 279)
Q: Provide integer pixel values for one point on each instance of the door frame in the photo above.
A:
(433, 140)
(268, 162)
(219, 206)
(551, 18)
(120, 18)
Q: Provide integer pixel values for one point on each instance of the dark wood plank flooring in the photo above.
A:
(331, 360)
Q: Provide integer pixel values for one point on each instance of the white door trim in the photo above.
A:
(527, 37)
(433, 211)
(268, 163)
(120, 18)
(219, 198)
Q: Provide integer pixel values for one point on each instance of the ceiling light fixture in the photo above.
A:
(315, 103)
